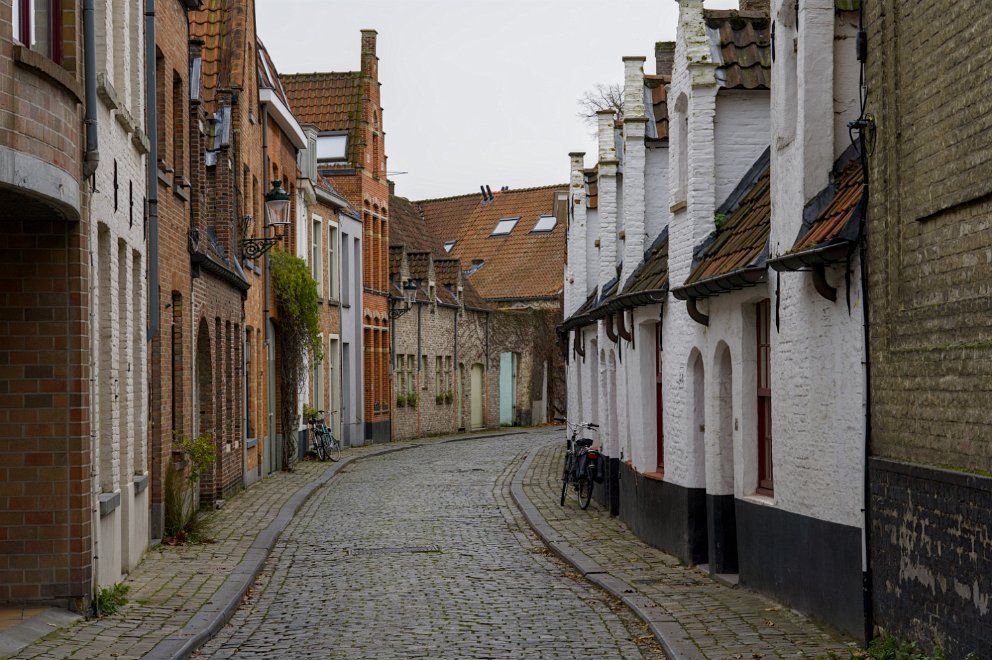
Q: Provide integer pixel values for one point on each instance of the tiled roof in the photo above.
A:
(831, 221)
(651, 275)
(741, 45)
(419, 263)
(735, 255)
(659, 103)
(580, 317)
(395, 260)
(520, 265)
(407, 227)
(222, 26)
(447, 270)
(330, 101)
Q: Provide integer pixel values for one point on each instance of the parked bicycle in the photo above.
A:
(582, 463)
(322, 439)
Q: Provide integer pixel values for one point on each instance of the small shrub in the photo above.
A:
(182, 525)
(890, 648)
(110, 600)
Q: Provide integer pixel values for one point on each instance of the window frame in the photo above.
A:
(514, 220)
(763, 396)
(332, 251)
(316, 252)
(22, 33)
(333, 134)
(659, 399)
(554, 224)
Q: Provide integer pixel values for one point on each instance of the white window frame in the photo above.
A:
(541, 218)
(316, 253)
(505, 226)
(333, 283)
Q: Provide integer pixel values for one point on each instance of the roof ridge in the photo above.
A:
(314, 74)
(511, 190)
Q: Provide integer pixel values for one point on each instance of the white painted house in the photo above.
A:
(715, 314)
(119, 298)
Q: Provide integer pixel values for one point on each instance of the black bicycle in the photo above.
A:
(322, 439)
(581, 463)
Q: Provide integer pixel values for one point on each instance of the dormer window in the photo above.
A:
(449, 246)
(545, 224)
(332, 147)
(505, 226)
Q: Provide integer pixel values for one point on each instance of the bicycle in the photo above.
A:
(580, 463)
(322, 438)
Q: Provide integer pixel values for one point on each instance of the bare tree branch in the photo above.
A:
(601, 97)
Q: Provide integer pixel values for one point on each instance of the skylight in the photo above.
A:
(505, 226)
(448, 245)
(545, 223)
(332, 147)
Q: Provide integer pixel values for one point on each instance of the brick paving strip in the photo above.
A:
(691, 615)
(180, 596)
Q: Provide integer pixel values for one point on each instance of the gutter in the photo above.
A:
(151, 109)
(92, 158)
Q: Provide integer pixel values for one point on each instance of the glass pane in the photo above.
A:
(16, 20)
(332, 147)
(505, 226)
(40, 20)
(545, 223)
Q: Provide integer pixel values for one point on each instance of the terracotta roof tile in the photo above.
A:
(737, 250)
(330, 101)
(592, 187)
(652, 273)
(520, 265)
(740, 42)
(659, 103)
(221, 25)
(847, 191)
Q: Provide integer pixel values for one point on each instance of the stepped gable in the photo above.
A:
(520, 265)
(734, 255)
(741, 46)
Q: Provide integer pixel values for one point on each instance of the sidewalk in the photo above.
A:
(180, 595)
(692, 615)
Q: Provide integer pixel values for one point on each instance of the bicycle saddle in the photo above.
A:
(584, 442)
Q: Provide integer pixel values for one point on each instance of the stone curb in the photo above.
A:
(669, 633)
(210, 618)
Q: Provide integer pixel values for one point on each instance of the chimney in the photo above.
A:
(368, 42)
(664, 58)
(756, 5)
(489, 193)
(607, 138)
(633, 87)
(392, 187)
(369, 59)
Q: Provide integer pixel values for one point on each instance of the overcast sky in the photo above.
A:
(475, 91)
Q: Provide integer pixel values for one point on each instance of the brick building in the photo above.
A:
(46, 533)
(346, 109)
(513, 250)
(725, 196)
(929, 268)
(444, 377)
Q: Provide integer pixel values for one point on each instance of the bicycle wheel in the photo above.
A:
(318, 446)
(583, 489)
(332, 446)
(566, 474)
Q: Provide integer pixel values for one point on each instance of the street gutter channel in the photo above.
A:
(672, 637)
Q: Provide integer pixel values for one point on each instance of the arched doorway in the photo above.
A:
(720, 514)
(698, 538)
(203, 418)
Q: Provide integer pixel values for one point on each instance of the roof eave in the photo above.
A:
(821, 255)
(732, 281)
(284, 118)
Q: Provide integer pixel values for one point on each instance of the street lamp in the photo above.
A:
(410, 287)
(277, 208)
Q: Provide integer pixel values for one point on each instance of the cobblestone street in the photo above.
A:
(421, 553)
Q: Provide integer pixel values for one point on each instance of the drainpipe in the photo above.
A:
(92, 158)
(456, 391)
(267, 275)
(151, 109)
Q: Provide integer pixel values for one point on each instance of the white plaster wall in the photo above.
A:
(640, 371)
(656, 193)
(847, 70)
(351, 329)
(742, 133)
(121, 537)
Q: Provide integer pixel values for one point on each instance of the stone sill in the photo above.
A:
(165, 175)
(654, 476)
(40, 64)
(109, 502)
(761, 500)
(251, 443)
(680, 205)
(140, 483)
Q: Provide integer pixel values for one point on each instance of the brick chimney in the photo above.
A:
(664, 57)
(369, 59)
(756, 5)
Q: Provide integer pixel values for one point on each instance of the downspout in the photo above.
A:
(457, 390)
(420, 365)
(267, 275)
(92, 158)
(151, 110)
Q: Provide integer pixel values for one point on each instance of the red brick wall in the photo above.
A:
(45, 522)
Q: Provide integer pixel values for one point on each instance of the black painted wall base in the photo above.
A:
(806, 563)
(377, 432)
(922, 517)
(669, 517)
(721, 531)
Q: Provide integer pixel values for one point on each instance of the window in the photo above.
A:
(505, 226)
(332, 147)
(545, 223)
(316, 263)
(449, 245)
(37, 24)
(332, 264)
(178, 125)
(659, 400)
(345, 272)
(764, 391)
(318, 381)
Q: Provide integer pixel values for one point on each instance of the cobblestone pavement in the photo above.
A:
(422, 553)
(723, 622)
(172, 583)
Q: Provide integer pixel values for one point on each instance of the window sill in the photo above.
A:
(48, 69)
(680, 205)
(762, 500)
(654, 476)
(181, 189)
(165, 175)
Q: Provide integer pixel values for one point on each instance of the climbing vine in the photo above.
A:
(298, 337)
